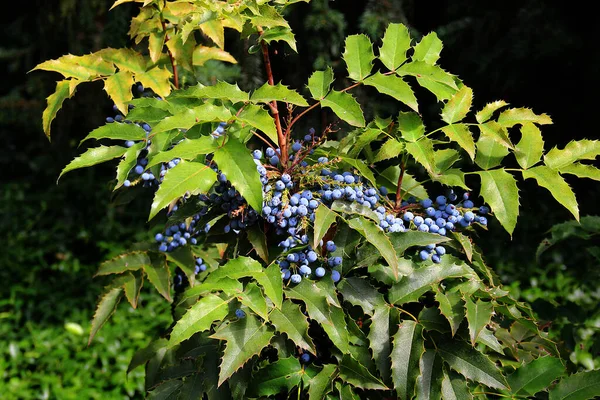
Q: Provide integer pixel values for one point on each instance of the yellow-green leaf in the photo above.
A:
(118, 87)
(499, 190)
(54, 103)
(395, 44)
(394, 86)
(461, 134)
(345, 106)
(530, 148)
(556, 184)
(457, 108)
(358, 55)
(428, 49)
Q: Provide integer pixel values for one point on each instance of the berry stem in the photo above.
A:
(399, 186)
(173, 64)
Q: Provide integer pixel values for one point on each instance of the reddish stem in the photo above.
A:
(399, 186)
(175, 74)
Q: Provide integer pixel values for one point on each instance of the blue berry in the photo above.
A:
(240, 313)
(296, 278)
(305, 357)
(335, 275)
(331, 247)
(320, 272)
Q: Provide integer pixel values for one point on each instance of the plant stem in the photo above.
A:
(281, 138)
(175, 73)
(399, 186)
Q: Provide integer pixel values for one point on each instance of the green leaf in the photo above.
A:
(499, 190)
(278, 33)
(408, 348)
(128, 161)
(118, 87)
(259, 118)
(191, 116)
(236, 162)
(324, 218)
(581, 171)
(441, 91)
(132, 288)
(558, 187)
(253, 298)
(377, 238)
(486, 112)
(220, 90)
(395, 44)
(428, 49)
(245, 338)
(536, 376)
(575, 150)
(457, 108)
(580, 386)
(422, 152)
(445, 158)
(353, 208)
(479, 314)
(465, 243)
(124, 262)
(202, 54)
(318, 309)
(159, 275)
(143, 355)
(358, 55)
(487, 338)
(514, 116)
(94, 156)
(395, 87)
(157, 79)
(497, 132)
(389, 179)
(127, 60)
(280, 376)
(294, 324)
(320, 82)
(359, 292)
(199, 318)
(411, 238)
(428, 72)
(345, 106)
(365, 138)
(472, 364)
(321, 384)
(258, 240)
(451, 306)
(490, 152)
(357, 375)
(68, 66)
(187, 149)
(186, 178)
(106, 307)
(411, 287)
(410, 126)
(461, 134)
(361, 166)
(379, 339)
(454, 387)
(429, 382)
(267, 93)
(165, 390)
(54, 103)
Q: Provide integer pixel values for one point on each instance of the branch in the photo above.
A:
(175, 74)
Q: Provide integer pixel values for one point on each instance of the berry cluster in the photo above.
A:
(300, 261)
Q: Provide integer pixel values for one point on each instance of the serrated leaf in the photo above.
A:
(479, 314)
(321, 384)
(94, 156)
(452, 307)
(156, 79)
(377, 238)
(405, 240)
(535, 376)
(358, 55)
(186, 149)
(227, 285)
(486, 112)
(198, 318)
(132, 289)
(258, 240)
(215, 31)
(410, 126)
(428, 49)
(106, 307)
(259, 118)
(445, 158)
(124, 262)
(278, 33)
(487, 338)
(318, 309)
(379, 339)
(408, 348)
(452, 177)
(362, 168)
(117, 131)
(353, 208)
(280, 376)
(499, 190)
(345, 106)
(268, 16)
(127, 60)
(202, 54)
(457, 108)
(429, 382)
(54, 103)
(324, 218)
(320, 82)
(461, 134)
(550, 179)
(454, 387)
(422, 70)
(497, 132)
(221, 90)
(159, 275)
(581, 171)
(393, 86)
(294, 324)
(118, 88)
(472, 364)
(357, 375)
(191, 116)
(267, 93)
(389, 179)
(395, 44)
(186, 178)
(441, 91)
(165, 390)
(411, 287)
(580, 386)
(575, 150)
(422, 152)
(490, 152)
(253, 298)
(514, 116)
(236, 162)
(360, 292)
(245, 338)
(143, 355)
(364, 138)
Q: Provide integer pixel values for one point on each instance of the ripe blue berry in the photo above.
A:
(320, 272)
(240, 313)
(296, 278)
(305, 357)
(335, 275)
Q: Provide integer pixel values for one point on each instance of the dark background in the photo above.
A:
(537, 54)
